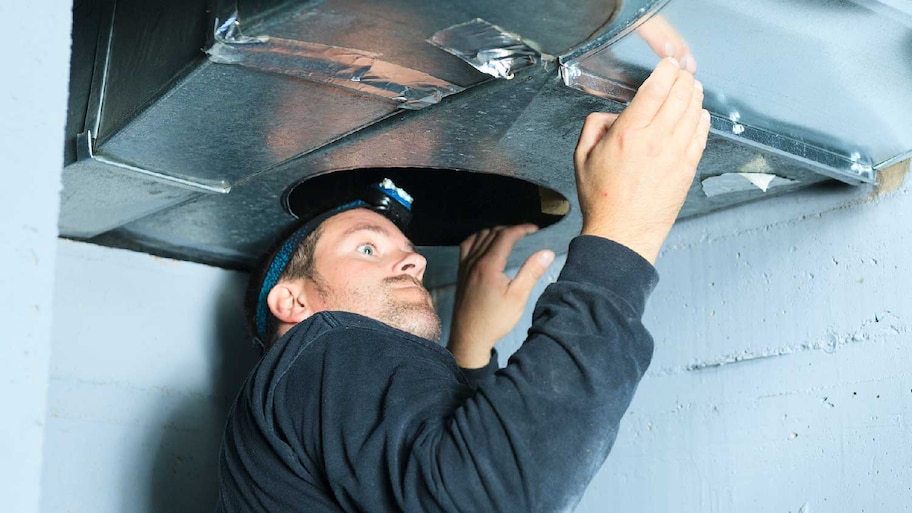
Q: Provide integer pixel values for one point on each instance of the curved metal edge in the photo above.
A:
(632, 15)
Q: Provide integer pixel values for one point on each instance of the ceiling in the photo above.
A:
(188, 121)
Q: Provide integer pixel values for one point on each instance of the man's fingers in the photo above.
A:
(475, 246)
(594, 129)
(494, 245)
(698, 143)
(679, 98)
(687, 125)
(529, 274)
(651, 95)
(485, 242)
(466, 246)
(503, 244)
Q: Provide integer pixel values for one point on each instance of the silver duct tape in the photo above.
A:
(342, 67)
(229, 31)
(488, 48)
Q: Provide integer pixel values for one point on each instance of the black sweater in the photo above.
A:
(347, 414)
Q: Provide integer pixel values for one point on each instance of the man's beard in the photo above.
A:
(417, 317)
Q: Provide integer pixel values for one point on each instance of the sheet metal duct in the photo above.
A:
(187, 124)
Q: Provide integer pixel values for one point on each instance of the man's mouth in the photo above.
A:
(408, 282)
(404, 282)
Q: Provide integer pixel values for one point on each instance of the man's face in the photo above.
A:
(363, 264)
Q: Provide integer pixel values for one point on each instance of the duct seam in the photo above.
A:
(85, 151)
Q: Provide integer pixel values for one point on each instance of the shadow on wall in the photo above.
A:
(183, 476)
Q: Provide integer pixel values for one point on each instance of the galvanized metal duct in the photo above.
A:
(187, 154)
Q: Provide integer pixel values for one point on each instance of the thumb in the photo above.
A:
(530, 272)
(594, 129)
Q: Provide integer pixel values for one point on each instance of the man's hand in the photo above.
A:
(488, 303)
(633, 170)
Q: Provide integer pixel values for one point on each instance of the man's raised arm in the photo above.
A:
(532, 438)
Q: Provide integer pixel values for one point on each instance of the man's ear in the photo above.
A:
(288, 303)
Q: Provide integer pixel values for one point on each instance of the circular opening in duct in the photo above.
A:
(449, 204)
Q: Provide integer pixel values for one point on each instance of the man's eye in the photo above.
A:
(366, 249)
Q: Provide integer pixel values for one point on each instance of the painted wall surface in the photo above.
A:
(148, 355)
(782, 378)
(33, 96)
(783, 373)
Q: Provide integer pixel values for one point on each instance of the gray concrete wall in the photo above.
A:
(33, 95)
(783, 373)
(149, 354)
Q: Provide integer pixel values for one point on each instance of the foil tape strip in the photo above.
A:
(488, 48)
(342, 67)
(229, 31)
(583, 79)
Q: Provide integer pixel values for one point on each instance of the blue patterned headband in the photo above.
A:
(384, 198)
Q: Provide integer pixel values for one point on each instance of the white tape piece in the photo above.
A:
(728, 183)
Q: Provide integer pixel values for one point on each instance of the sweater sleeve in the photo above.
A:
(477, 376)
(408, 435)
(546, 422)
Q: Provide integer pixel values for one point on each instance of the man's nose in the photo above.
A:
(412, 263)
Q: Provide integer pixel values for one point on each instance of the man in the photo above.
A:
(354, 408)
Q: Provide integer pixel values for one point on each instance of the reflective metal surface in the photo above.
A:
(229, 123)
(342, 67)
(446, 136)
(398, 29)
(827, 82)
(151, 44)
(628, 16)
(530, 125)
(487, 48)
(194, 154)
(85, 151)
(98, 197)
